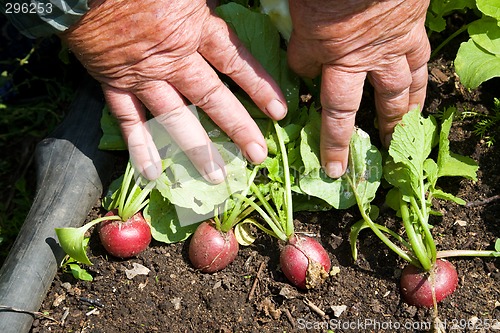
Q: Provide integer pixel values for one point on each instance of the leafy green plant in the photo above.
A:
(73, 266)
(478, 59)
(127, 201)
(487, 124)
(414, 175)
(303, 260)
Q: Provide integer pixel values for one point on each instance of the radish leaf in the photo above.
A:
(450, 164)
(364, 165)
(162, 217)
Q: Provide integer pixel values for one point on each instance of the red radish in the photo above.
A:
(211, 250)
(305, 262)
(125, 239)
(416, 285)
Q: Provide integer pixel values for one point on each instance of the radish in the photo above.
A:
(211, 250)
(416, 284)
(125, 239)
(213, 246)
(409, 167)
(304, 261)
(124, 233)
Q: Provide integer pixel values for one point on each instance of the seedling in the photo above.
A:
(414, 176)
(124, 232)
(303, 260)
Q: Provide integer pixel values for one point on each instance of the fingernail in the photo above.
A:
(214, 173)
(387, 140)
(255, 152)
(151, 171)
(276, 109)
(334, 169)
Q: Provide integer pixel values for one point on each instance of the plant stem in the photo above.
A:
(447, 40)
(416, 242)
(127, 178)
(400, 252)
(274, 219)
(424, 224)
(231, 221)
(133, 205)
(289, 229)
(274, 224)
(127, 204)
(466, 253)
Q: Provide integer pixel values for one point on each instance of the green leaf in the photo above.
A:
(365, 171)
(431, 171)
(303, 202)
(392, 199)
(279, 13)
(73, 243)
(309, 145)
(413, 140)
(440, 8)
(165, 225)
(485, 32)
(184, 187)
(489, 7)
(440, 194)
(80, 273)
(112, 138)
(365, 167)
(400, 177)
(356, 228)
(450, 164)
(474, 65)
(411, 144)
(110, 200)
(497, 245)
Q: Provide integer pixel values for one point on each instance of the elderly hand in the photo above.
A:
(346, 41)
(157, 54)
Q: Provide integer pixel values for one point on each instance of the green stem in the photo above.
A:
(466, 253)
(417, 245)
(262, 228)
(393, 234)
(133, 205)
(274, 218)
(447, 40)
(275, 225)
(400, 252)
(424, 224)
(289, 229)
(127, 178)
(231, 221)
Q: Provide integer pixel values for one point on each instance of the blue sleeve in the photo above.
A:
(43, 18)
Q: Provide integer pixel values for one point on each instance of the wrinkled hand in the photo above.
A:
(347, 41)
(157, 54)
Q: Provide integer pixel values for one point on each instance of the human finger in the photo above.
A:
(391, 83)
(222, 48)
(341, 93)
(183, 126)
(417, 60)
(418, 88)
(199, 83)
(130, 114)
(300, 58)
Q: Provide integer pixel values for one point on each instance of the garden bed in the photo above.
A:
(252, 294)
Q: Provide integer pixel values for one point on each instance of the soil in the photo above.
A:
(252, 295)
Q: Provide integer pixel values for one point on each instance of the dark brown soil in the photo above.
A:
(252, 295)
